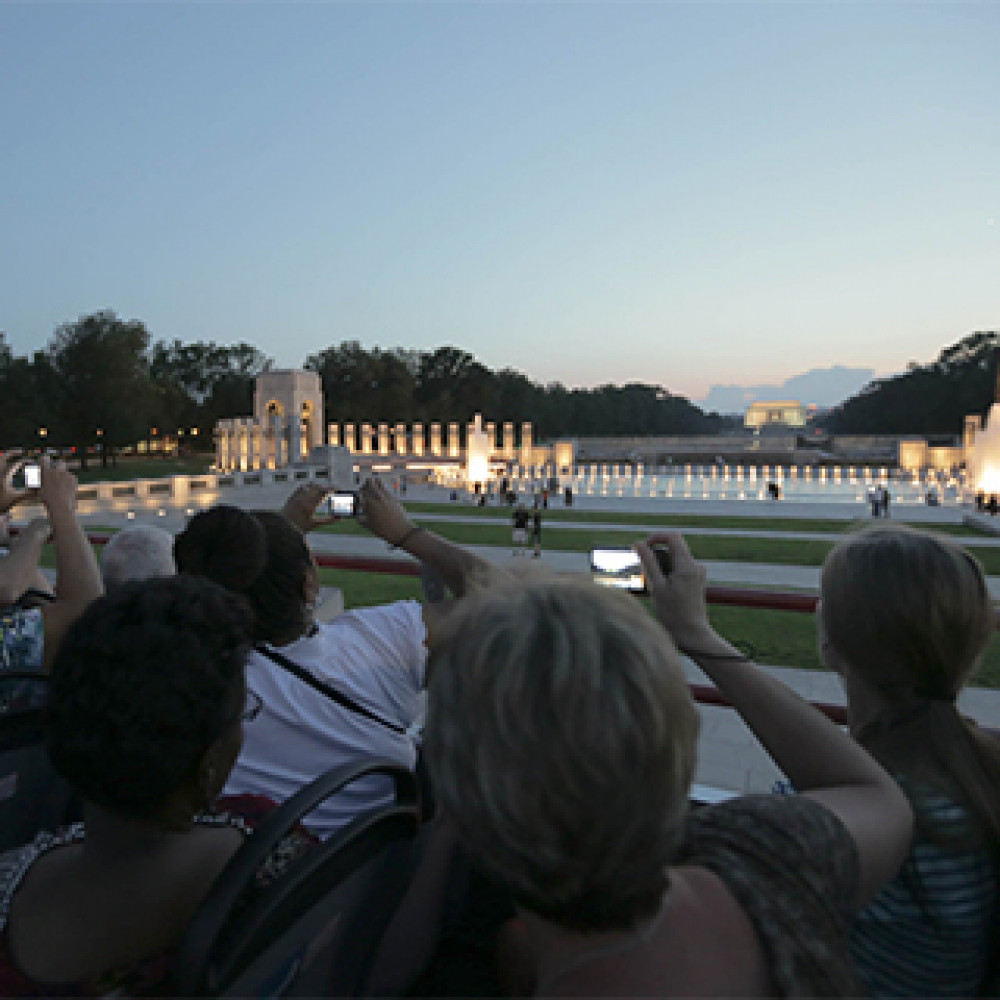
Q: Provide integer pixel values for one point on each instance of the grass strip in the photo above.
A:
(776, 638)
(725, 548)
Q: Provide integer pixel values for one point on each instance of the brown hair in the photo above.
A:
(561, 737)
(910, 614)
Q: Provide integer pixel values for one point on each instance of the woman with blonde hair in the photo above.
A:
(904, 618)
(561, 738)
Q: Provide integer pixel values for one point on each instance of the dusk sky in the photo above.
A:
(683, 194)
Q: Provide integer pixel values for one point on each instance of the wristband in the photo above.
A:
(407, 536)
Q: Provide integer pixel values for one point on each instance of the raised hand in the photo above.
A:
(678, 598)
(9, 496)
(300, 507)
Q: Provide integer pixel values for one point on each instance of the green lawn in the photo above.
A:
(728, 548)
(778, 638)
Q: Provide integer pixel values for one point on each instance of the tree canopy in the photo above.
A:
(929, 399)
(103, 380)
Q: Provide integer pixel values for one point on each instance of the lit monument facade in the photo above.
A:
(287, 426)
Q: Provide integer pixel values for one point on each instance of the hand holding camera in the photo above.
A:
(678, 596)
(300, 507)
(10, 465)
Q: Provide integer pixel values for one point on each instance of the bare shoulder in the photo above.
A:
(709, 943)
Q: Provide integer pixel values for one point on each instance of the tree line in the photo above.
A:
(927, 399)
(102, 384)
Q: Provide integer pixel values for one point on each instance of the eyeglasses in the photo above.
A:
(252, 707)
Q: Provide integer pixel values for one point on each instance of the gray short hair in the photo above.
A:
(561, 737)
(139, 552)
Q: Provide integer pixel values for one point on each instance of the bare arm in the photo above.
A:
(300, 507)
(9, 496)
(458, 567)
(820, 760)
(19, 570)
(78, 579)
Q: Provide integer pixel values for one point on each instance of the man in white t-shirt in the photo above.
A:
(376, 656)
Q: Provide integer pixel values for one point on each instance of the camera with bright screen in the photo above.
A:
(343, 504)
(32, 476)
(621, 568)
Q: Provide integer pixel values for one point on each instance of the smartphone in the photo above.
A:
(343, 504)
(32, 476)
(618, 567)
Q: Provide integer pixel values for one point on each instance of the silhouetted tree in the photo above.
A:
(101, 381)
(925, 399)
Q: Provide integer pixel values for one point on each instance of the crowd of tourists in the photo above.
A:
(194, 688)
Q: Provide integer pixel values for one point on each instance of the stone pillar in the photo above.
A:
(526, 445)
(223, 441)
(508, 441)
(454, 444)
(295, 439)
(401, 448)
(383, 439)
(253, 444)
(491, 439)
(333, 435)
(366, 439)
(417, 446)
(273, 441)
(243, 431)
(970, 429)
(350, 438)
(436, 439)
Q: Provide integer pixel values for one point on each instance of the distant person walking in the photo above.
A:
(520, 535)
(875, 499)
(536, 533)
(884, 498)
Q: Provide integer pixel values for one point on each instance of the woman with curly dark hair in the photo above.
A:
(147, 706)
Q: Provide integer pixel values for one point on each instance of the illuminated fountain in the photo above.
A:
(984, 462)
(477, 454)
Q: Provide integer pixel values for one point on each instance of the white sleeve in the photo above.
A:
(395, 637)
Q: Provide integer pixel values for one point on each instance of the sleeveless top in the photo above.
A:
(151, 976)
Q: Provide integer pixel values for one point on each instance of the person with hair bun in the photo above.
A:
(561, 739)
(904, 618)
(146, 712)
(374, 656)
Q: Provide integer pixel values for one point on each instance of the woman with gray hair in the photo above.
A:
(561, 738)
(138, 552)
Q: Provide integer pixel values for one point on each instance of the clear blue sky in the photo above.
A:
(672, 193)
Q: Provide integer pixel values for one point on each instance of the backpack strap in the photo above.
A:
(325, 689)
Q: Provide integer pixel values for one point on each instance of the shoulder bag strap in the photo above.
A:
(330, 692)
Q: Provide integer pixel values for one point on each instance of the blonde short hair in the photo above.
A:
(561, 737)
(908, 611)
